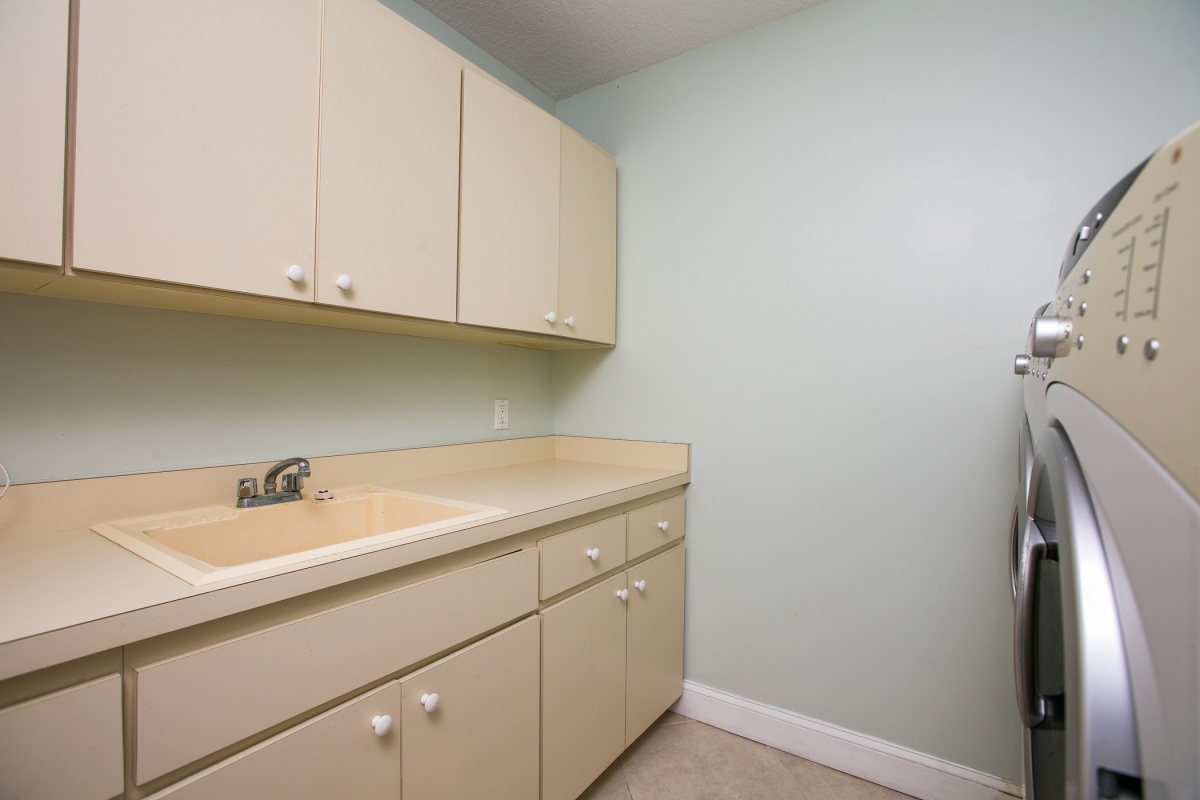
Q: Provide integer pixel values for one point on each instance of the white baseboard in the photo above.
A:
(866, 757)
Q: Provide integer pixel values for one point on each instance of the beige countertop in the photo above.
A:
(66, 592)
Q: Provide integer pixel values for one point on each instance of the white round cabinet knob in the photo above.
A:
(382, 724)
(593, 554)
(295, 273)
(640, 585)
(345, 282)
(552, 318)
(664, 526)
(570, 322)
(623, 594)
(430, 701)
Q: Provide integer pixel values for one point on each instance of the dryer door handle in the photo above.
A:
(1031, 548)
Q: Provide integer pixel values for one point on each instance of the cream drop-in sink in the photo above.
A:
(206, 545)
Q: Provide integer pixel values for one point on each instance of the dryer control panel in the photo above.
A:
(1130, 304)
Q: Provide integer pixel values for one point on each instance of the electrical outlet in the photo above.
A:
(501, 415)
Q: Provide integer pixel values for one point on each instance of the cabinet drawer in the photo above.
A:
(336, 754)
(565, 559)
(196, 703)
(65, 745)
(482, 738)
(653, 526)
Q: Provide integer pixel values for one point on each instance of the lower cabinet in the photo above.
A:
(340, 753)
(470, 721)
(538, 708)
(464, 727)
(612, 662)
(65, 745)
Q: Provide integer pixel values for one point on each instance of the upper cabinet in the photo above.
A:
(387, 231)
(508, 238)
(587, 266)
(231, 154)
(33, 107)
(196, 142)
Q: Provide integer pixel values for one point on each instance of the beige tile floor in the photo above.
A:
(681, 759)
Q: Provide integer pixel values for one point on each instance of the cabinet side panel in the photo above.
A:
(33, 128)
(587, 272)
(508, 241)
(66, 745)
(196, 142)
(482, 739)
(655, 671)
(388, 211)
(337, 754)
(583, 688)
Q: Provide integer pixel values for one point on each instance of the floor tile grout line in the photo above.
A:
(624, 777)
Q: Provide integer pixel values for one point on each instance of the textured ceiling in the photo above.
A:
(566, 46)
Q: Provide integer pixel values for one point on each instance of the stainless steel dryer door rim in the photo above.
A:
(1020, 516)
(1100, 723)
(1026, 548)
(1031, 548)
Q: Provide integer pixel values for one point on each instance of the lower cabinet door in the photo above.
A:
(654, 675)
(471, 721)
(337, 754)
(583, 687)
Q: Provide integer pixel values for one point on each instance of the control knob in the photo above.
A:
(1051, 337)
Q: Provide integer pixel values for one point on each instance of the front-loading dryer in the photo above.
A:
(1105, 554)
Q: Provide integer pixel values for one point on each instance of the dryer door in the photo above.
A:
(1085, 744)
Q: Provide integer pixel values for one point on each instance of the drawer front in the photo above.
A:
(194, 704)
(65, 745)
(565, 562)
(336, 754)
(646, 526)
(654, 672)
(481, 740)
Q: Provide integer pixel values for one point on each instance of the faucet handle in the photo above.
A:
(292, 481)
(247, 487)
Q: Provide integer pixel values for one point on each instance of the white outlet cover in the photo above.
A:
(501, 421)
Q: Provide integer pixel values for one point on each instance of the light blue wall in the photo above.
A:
(92, 389)
(833, 230)
(426, 21)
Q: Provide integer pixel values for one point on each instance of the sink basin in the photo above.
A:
(206, 545)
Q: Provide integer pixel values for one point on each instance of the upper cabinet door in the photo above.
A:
(196, 142)
(33, 126)
(508, 243)
(587, 270)
(388, 197)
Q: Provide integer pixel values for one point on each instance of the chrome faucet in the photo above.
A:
(293, 482)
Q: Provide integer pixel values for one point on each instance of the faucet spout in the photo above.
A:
(302, 471)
